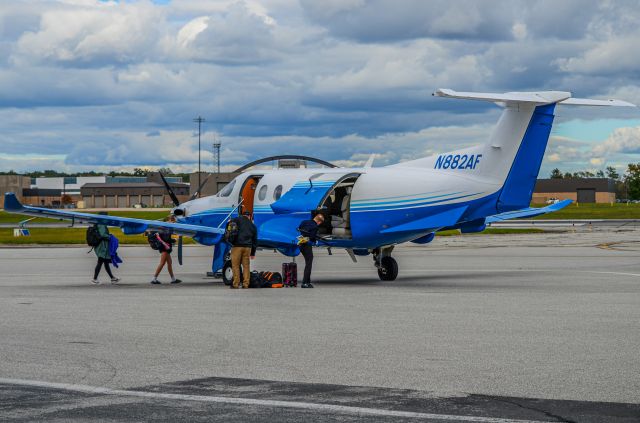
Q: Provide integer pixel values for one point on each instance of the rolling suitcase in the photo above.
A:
(290, 274)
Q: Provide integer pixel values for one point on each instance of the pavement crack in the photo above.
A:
(539, 410)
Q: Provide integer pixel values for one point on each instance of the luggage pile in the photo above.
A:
(265, 280)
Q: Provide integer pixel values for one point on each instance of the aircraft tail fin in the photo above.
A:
(512, 156)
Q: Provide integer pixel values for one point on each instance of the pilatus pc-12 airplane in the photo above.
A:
(371, 210)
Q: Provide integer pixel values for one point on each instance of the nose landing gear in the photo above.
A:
(387, 265)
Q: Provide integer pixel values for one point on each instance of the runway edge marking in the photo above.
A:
(268, 403)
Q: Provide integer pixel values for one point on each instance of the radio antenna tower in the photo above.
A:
(216, 153)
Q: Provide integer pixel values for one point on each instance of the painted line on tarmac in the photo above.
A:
(331, 408)
(404, 271)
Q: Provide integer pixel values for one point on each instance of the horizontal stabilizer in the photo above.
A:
(528, 212)
(535, 98)
(590, 102)
(538, 98)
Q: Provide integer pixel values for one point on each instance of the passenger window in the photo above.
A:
(277, 193)
(262, 194)
(227, 190)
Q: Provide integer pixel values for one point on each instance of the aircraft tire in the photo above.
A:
(388, 270)
(227, 273)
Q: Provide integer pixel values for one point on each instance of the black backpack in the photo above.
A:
(270, 278)
(231, 232)
(153, 241)
(93, 236)
(255, 280)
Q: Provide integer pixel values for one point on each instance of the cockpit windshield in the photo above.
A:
(227, 190)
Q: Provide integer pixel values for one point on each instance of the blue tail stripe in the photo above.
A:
(520, 182)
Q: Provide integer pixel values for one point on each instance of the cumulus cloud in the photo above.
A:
(622, 140)
(236, 36)
(106, 83)
(92, 34)
(379, 20)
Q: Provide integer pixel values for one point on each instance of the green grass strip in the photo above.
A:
(53, 236)
(143, 214)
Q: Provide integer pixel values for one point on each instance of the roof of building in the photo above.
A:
(131, 185)
(41, 192)
(573, 184)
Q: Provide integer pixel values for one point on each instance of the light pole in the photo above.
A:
(199, 120)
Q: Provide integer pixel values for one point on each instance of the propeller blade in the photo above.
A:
(195, 194)
(172, 194)
(180, 250)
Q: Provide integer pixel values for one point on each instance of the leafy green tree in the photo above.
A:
(632, 179)
(556, 174)
(612, 173)
(600, 174)
(140, 172)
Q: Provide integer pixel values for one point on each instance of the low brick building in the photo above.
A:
(119, 195)
(581, 190)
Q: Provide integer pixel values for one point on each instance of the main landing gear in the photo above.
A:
(387, 265)
(227, 271)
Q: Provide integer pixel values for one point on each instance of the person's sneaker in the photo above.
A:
(155, 282)
(176, 281)
(245, 287)
(95, 281)
(115, 280)
(306, 285)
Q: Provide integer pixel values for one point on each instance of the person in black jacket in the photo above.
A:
(243, 250)
(166, 247)
(309, 231)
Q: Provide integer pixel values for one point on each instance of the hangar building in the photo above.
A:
(581, 190)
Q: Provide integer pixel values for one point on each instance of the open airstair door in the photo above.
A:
(336, 205)
(248, 193)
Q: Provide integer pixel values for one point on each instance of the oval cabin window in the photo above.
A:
(262, 194)
(277, 193)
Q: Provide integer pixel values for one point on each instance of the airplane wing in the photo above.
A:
(205, 235)
(528, 212)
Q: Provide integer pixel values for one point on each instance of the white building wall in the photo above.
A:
(49, 183)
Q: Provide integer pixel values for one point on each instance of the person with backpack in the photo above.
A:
(242, 234)
(308, 236)
(163, 242)
(98, 238)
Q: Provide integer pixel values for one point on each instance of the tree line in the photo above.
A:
(50, 173)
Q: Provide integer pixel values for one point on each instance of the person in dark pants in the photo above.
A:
(243, 250)
(104, 258)
(309, 231)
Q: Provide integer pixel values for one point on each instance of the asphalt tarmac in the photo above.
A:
(476, 328)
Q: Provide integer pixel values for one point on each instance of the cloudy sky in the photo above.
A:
(98, 85)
